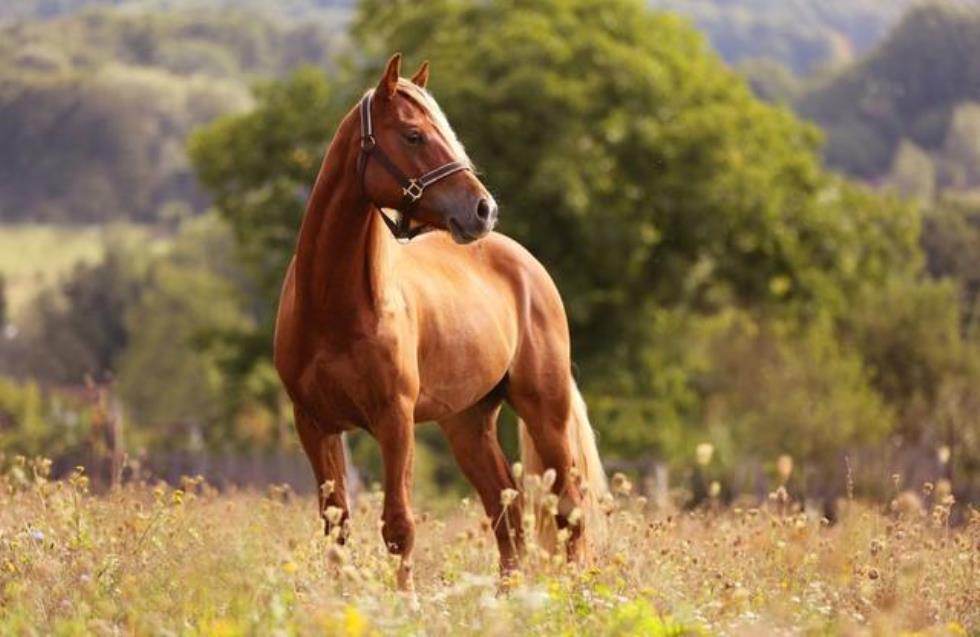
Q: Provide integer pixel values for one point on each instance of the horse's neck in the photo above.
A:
(341, 253)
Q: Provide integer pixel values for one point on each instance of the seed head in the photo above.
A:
(548, 479)
(943, 454)
(550, 504)
(621, 485)
(704, 453)
(333, 514)
(563, 536)
(784, 466)
(507, 497)
(714, 490)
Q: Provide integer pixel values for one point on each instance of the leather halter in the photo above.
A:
(412, 189)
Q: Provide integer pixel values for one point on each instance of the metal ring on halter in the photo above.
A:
(412, 189)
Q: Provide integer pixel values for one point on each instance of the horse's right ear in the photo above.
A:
(389, 81)
(421, 77)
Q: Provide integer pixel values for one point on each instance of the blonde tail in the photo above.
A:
(585, 455)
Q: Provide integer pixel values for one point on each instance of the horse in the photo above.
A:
(385, 323)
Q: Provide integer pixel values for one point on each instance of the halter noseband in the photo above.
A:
(412, 189)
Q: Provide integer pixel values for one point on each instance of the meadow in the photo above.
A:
(151, 559)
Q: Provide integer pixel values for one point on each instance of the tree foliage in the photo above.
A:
(951, 241)
(721, 284)
(78, 329)
(258, 168)
(4, 309)
(634, 164)
(672, 207)
(35, 424)
(916, 87)
(95, 108)
(170, 375)
(802, 35)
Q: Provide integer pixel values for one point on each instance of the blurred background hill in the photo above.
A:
(764, 215)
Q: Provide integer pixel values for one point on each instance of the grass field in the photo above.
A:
(33, 256)
(153, 560)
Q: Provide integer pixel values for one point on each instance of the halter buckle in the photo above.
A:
(368, 143)
(413, 190)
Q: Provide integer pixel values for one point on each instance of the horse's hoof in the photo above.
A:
(509, 580)
(412, 601)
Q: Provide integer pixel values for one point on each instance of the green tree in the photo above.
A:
(170, 374)
(95, 108)
(951, 240)
(913, 173)
(906, 89)
(804, 35)
(909, 333)
(962, 146)
(755, 386)
(632, 162)
(79, 327)
(3, 301)
(259, 167)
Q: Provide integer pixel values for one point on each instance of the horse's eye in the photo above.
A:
(414, 137)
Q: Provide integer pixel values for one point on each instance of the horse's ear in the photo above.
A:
(421, 77)
(389, 81)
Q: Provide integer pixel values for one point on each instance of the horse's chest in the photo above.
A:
(347, 386)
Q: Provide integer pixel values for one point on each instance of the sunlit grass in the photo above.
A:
(154, 560)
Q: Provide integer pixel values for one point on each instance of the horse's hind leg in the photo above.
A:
(472, 435)
(540, 392)
(326, 454)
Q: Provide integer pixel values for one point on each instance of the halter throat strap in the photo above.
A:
(412, 188)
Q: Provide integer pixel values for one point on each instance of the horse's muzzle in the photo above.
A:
(474, 225)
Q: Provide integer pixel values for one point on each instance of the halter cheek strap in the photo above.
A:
(412, 188)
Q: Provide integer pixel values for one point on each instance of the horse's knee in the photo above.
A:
(398, 532)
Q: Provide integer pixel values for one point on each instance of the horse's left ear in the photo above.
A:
(421, 77)
(389, 81)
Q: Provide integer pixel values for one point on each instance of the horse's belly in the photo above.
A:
(459, 372)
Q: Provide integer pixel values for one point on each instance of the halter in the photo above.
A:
(412, 189)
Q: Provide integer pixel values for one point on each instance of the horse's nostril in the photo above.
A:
(483, 209)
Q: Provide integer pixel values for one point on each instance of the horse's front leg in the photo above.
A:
(395, 433)
(326, 453)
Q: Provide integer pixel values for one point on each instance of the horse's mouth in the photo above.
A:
(459, 235)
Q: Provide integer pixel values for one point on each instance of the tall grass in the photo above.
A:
(148, 559)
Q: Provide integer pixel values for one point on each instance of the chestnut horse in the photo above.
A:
(381, 334)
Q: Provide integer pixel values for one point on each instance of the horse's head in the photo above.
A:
(412, 161)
